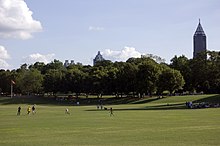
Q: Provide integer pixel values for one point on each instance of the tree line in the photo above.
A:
(136, 76)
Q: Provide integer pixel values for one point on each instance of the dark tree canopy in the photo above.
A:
(136, 76)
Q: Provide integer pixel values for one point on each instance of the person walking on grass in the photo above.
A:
(111, 112)
(33, 109)
(67, 111)
(19, 111)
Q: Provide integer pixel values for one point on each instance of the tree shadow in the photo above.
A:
(31, 100)
(63, 101)
(215, 99)
(146, 100)
(211, 99)
(177, 106)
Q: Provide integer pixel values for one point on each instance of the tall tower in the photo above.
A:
(199, 40)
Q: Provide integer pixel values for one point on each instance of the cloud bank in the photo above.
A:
(126, 53)
(31, 59)
(3, 56)
(16, 20)
(121, 55)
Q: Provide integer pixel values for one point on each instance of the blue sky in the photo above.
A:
(43, 30)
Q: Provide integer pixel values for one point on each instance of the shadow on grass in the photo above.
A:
(146, 100)
(29, 100)
(211, 99)
(53, 101)
(215, 99)
(177, 106)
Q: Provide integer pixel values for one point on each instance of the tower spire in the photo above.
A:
(199, 29)
(199, 40)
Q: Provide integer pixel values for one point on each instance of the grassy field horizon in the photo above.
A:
(147, 121)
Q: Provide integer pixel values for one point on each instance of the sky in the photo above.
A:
(44, 30)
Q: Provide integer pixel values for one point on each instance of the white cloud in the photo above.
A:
(126, 53)
(38, 58)
(3, 53)
(97, 28)
(121, 55)
(3, 56)
(16, 20)
(3, 64)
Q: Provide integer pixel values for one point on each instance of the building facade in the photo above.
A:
(199, 41)
(67, 63)
(98, 58)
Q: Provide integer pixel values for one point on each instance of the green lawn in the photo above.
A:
(149, 121)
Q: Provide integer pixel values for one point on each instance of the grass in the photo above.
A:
(149, 121)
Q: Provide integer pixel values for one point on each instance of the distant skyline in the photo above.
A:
(38, 30)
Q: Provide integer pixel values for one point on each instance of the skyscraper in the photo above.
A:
(199, 41)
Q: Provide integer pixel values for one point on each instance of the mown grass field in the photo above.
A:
(148, 121)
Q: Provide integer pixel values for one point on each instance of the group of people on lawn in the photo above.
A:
(29, 109)
(33, 109)
(201, 105)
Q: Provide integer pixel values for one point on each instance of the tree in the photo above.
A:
(147, 76)
(74, 79)
(199, 72)
(125, 77)
(52, 81)
(29, 81)
(103, 63)
(97, 75)
(54, 65)
(39, 66)
(181, 63)
(5, 81)
(170, 80)
(110, 81)
(213, 65)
